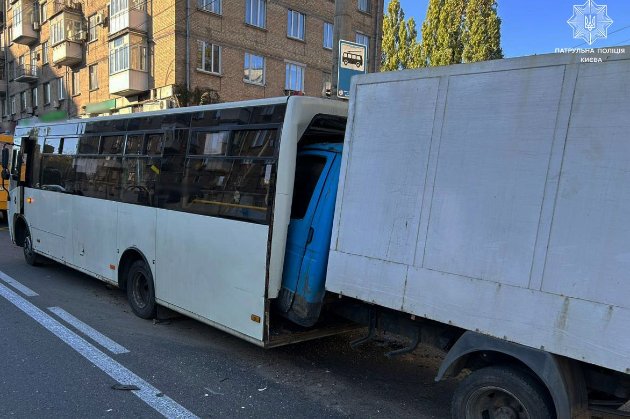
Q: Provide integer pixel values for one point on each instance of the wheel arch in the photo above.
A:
(562, 377)
(20, 228)
(128, 257)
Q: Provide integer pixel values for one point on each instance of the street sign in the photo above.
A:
(352, 61)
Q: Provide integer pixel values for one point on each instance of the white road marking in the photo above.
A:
(95, 335)
(147, 393)
(22, 288)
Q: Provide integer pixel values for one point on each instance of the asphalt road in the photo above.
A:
(49, 368)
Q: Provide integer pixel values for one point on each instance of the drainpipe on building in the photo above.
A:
(380, 10)
(188, 45)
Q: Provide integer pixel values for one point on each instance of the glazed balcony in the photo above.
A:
(67, 53)
(127, 14)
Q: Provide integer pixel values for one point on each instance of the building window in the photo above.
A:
(43, 12)
(45, 53)
(46, 88)
(255, 11)
(76, 83)
(4, 107)
(362, 39)
(294, 77)
(93, 73)
(254, 69)
(13, 105)
(92, 28)
(208, 57)
(213, 6)
(23, 101)
(123, 56)
(61, 89)
(295, 25)
(328, 35)
(10, 30)
(34, 98)
(17, 14)
(364, 6)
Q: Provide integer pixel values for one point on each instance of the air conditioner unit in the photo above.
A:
(99, 18)
(158, 105)
(81, 36)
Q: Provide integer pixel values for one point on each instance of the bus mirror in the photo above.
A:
(5, 159)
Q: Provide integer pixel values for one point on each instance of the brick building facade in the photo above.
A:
(80, 57)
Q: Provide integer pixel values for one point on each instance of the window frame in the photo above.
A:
(61, 90)
(248, 68)
(202, 47)
(293, 17)
(76, 83)
(46, 90)
(214, 4)
(34, 97)
(93, 76)
(325, 33)
(287, 80)
(261, 13)
(92, 28)
(364, 6)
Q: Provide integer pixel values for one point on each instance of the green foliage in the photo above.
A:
(456, 31)
(196, 96)
(482, 32)
(400, 46)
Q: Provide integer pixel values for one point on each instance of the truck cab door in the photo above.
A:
(308, 239)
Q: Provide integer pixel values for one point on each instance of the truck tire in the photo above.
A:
(501, 392)
(140, 290)
(30, 256)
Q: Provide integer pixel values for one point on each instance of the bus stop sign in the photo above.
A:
(352, 58)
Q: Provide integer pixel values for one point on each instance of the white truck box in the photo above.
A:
(494, 197)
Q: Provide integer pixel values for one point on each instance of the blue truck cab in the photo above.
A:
(310, 229)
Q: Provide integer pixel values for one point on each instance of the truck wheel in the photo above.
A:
(499, 392)
(140, 290)
(30, 256)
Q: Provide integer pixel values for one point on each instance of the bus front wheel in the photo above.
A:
(140, 290)
(30, 256)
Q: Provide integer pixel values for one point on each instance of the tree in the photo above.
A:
(430, 28)
(400, 45)
(449, 46)
(197, 96)
(482, 32)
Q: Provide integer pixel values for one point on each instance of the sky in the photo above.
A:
(540, 26)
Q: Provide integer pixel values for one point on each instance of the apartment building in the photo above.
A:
(93, 57)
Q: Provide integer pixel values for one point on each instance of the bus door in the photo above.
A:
(17, 167)
(310, 229)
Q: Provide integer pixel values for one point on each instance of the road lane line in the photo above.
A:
(22, 288)
(95, 335)
(147, 393)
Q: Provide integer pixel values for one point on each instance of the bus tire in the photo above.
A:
(30, 256)
(141, 290)
(501, 391)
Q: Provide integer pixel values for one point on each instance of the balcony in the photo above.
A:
(66, 6)
(67, 53)
(128, 82)
(134, 16)
(26, 73)
(67, 33)
(24, 32)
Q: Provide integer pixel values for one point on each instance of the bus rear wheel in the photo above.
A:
(501, 392)
(140, 290)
